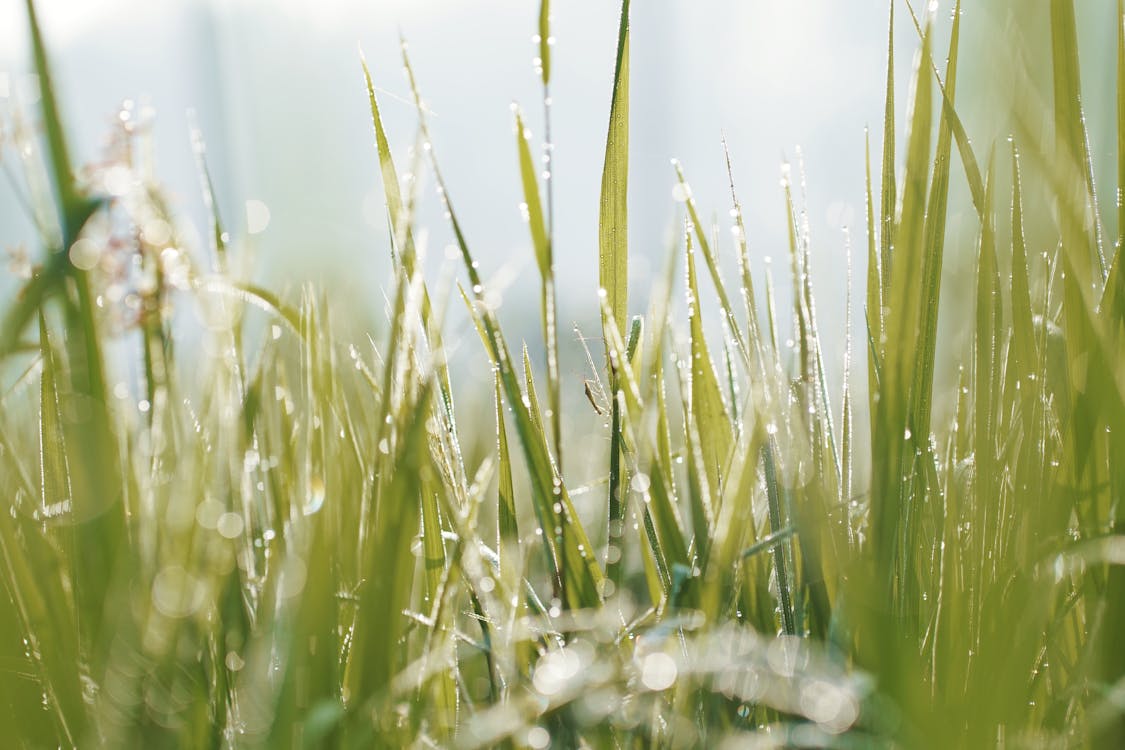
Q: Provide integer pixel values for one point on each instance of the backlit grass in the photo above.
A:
(291, 541)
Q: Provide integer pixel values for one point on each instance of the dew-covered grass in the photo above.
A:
(289, 539)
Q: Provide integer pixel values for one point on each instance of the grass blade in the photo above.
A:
(887, 201)
(613, 222)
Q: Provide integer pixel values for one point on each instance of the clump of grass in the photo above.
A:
(283, 543)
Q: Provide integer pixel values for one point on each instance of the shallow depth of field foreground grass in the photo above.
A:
(283, 541)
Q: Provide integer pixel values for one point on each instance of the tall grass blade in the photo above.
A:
(934, 249)
(887, 198)
(891, 511)
(1070, 126)
(706, 409)
(613, 222)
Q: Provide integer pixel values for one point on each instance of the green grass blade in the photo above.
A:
(712, 266)
(613, 222)
(615, 549)
(875, 291)
(887, 199)
(545, 41)
(400, 226)
(934, 249)
(778, 526)
(1070, 121)
(96, 484)
(769, 541)
(507, 531)
(74, 208)
(529, 178)
(375, 652)
(1120, 128)
(1113, 299)
(757, 346)
(950, 118)
(1023, 332)
(890, 437)
(707, 409)
(847, 458)
(541, 241)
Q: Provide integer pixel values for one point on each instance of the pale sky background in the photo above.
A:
(279, 95)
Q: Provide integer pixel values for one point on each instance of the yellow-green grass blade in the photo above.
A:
(1120, 23)
(400, 226)
(662, 527)
(95, 481)
(779, 522)
(541, 242)
(545, 41)
(31, 296)
(309, 702)
(1024, 349)
(934, 249)
(551, 545)
(507, 531)
(891, 432)
(54, 475)
(58, 659)
(952, 120)
(218, 237)
(570, 552)
(769, 542)
(74, 207)
(847, 439)
(813, 392)
(615, 528)
(984, 359)
(1070, 126)
(444, 706)
(529, 177)
(533, 409)
(707, 409)
(578, 574)
(887, 198)
(734, 531)
(613, 264)
(44, 687)
(401, 219)
(757, 346)
(1111, 657)
(664, 507)
(613, 220)
(1113, 299)
(375, 653)
(873, 311)
(712, 266)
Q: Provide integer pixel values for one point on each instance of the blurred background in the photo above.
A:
(277, 91)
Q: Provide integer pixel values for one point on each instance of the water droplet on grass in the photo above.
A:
(315, 499)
